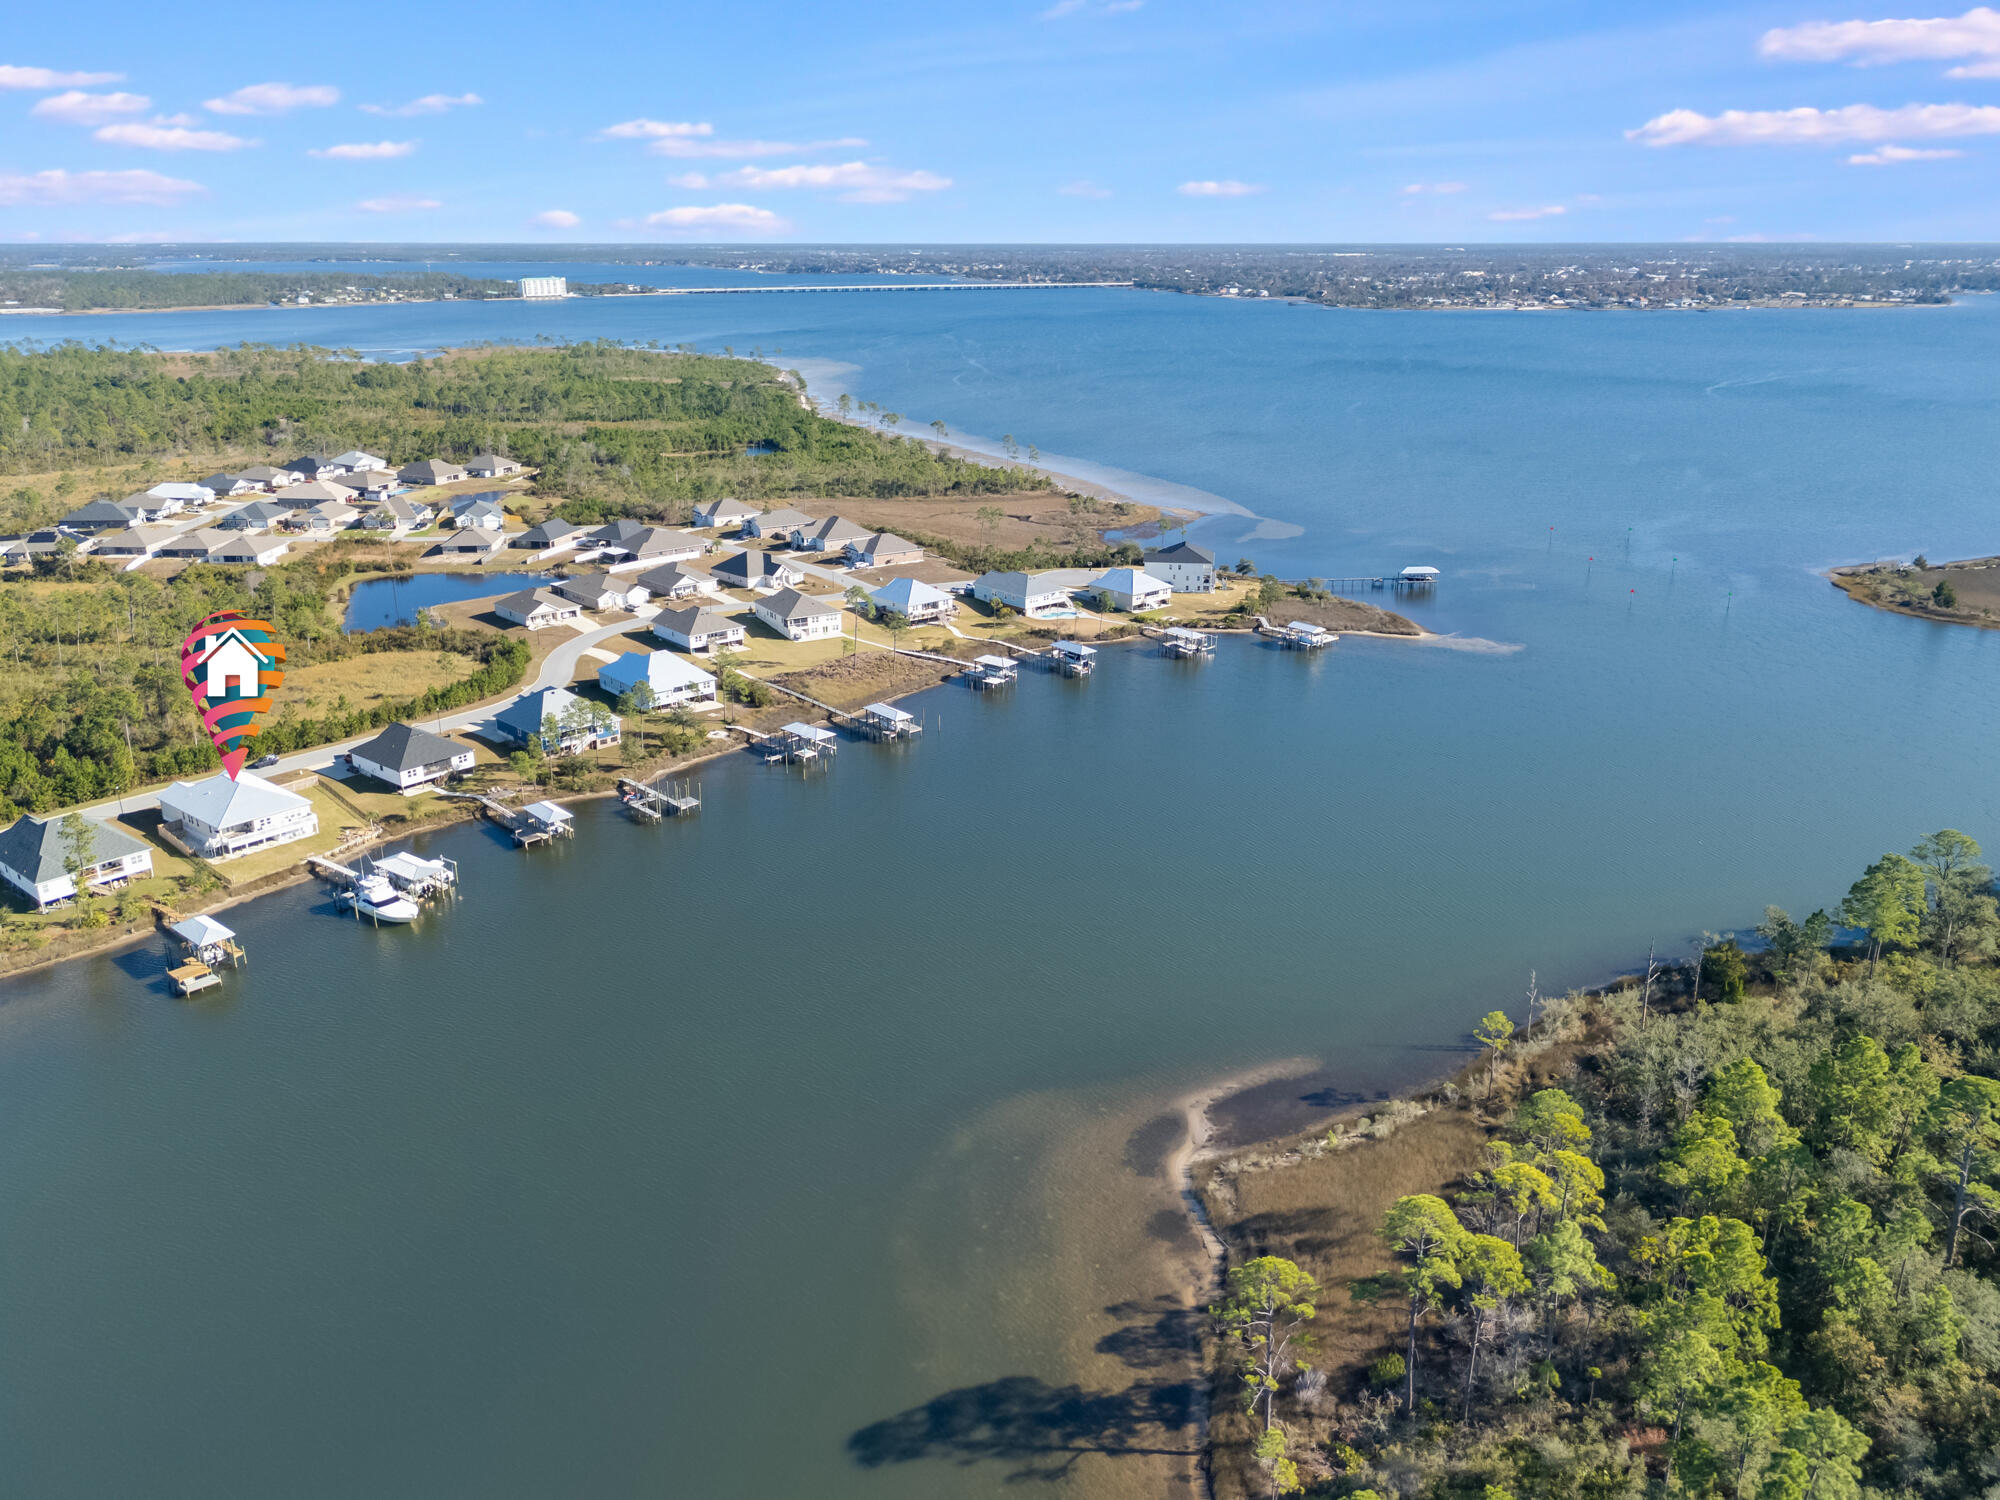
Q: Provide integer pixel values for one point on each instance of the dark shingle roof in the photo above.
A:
(33, 846)
(402, 747)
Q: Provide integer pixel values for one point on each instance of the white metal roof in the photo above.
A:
(201, 931)
(887, 711)
(810, 732)
(993, 661)
(1420, 572)
(1073, 648)
(548, 812)
(222, 803)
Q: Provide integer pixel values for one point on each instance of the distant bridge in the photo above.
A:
(882, 286)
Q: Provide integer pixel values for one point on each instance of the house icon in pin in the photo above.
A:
(229, 667)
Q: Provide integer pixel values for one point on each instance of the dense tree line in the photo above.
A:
(615, 430)
(1745, 1250)
(94, 290)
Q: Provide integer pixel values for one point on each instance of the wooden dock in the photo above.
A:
(649, 804)
(1186, 645)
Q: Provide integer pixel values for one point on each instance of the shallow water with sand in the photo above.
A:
(813, 1145)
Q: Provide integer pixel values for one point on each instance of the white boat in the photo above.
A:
(374, 897)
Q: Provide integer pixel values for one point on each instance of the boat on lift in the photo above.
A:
(374, 897)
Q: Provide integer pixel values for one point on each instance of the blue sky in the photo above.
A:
(1055, 120)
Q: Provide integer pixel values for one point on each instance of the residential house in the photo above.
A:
(154, 507)
(430, 471)
(1185, 568)
(676, 582)
(398, 514)
(225, 486)
(723, 513)
(616, 534)
(1134, 589)
(316, 466)
(756, 570)
(409, 758)
(354, 461)
(559, 721)
(195, 545)
(264, 477)
(490, 466)
(34, 857)
(258, 515)
(184, 494)
(602, 591)
(471, 542)
(883, 550)
(673, 682)
(697, 630)
(537, 609)
(326, 518)
(482, 511)
(1031, 593)
(652, 547)
(220, 818)
(104, 515)
(776, 522)
(374, 484)
(798, 617)
(919, 603)
(133, 542)
(314, 492)
(831, 535)
(549, 536)
(247, 550)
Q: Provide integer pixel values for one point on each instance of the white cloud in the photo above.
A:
(645, 130)
(397, 203)
(1083, 188)
(684, 147)
(556, 218)
(1816, 127)
(857, 181)
(694, 181)
(274, 99)
(726, 218)
(1065, 8)
(1888, 156)
(61, 187)
(430, 104)
(1227, 188)
(364, 150)
(165, 135)
(1975, 34)
(1434, 187)
(1516, 215)
(75, 107)
(13, 76)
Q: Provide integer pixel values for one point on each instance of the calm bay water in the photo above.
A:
(701, 1159)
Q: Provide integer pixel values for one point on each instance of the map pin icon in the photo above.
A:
(231, 664)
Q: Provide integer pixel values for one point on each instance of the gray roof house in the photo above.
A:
(430, 471)
(602, 591)
(723, 513)
(618, 533)
(774, 522)
(258, 515)
(490, 466)
(756, 569)
(316, 466)
(224, 484)
(1184, 567)
(399, 514)
(831, 535)
(32, 855)
(537, 609)
(798, 617)
(675, 582)
(579, 723)
(104, 515)
(697, 629)
(264, 477)
(549, 535)
(408, 757)
(883, 549)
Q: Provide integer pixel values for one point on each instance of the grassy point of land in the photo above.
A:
(1955, 593)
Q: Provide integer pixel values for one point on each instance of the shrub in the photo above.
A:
(1388, 1370)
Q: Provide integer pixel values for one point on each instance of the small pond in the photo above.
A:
(395, 601)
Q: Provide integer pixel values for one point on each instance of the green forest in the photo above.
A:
(1742, 1247)
(91, 290)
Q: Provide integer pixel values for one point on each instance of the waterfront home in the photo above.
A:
(225, 486)
(249, 551)
(258, 515)
(776, 522)
(264, 477)
(756, 570)
(490, 466)
(482, 511)
(883, 549)
(673, 682)
(652, 547)
(537, 609)
(919, 603)
(559, 721)
(315, 492)
(676, 582)
(430, 471)
(1134, 589)
(549, 536)
(398, 514)
(220, 818)
(831, 535)
(469, 543)
(409, 758)
(326, 518)
(194, 545)
(354, 461)
(178, 495)
(602, 591)
(723, 513)
(376, 484)
(698, 630)
(34, 858)
(133, 542)
(1186, 568)
(798, 617)
(1031, 594)
(104, 515)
